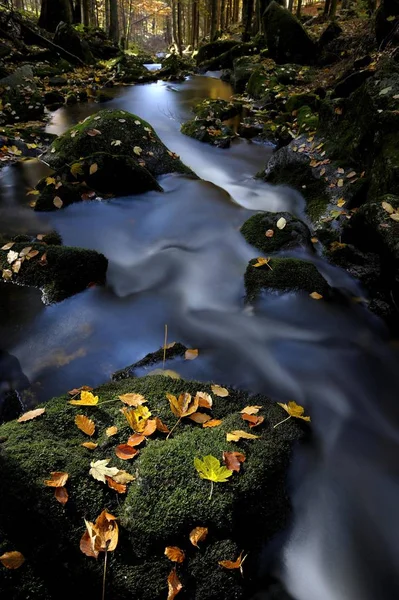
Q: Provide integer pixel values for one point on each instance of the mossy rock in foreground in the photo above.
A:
(63, 272)
(209, 131)
(284, 275)
(115, 132)
(164, 503)
(216, 109)
(293, 235)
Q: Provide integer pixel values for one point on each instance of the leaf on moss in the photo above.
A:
(93, 132)
(99, 469)
(12, 560)
(123, 477)
(136, 439)
(211, 469)
(76, 169)
(316, 296)
(137, 417)
(213, 423)
(281, 223)
(204, 400)
(161, 426)
(219, 391)
(114, 485)
(233, 460)
(165, 373)
(90, 445)
(294, 410)
(125, 452)
(252, 420)
(137, 150)
(236, 564)
(103, 535)
(31, 414)
(110, 431)
(8, 246)
(175, 554)
(93, 168)
(200, 417)
(61, 495)
(184, 406)
(85, 424)
(86, 399)
(57, 479)
(132, 399)
(238, 434)
(174, 585)
(251, 410)
(198, 534)
(261, 262)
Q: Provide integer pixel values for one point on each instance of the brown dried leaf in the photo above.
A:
(90, 445)
(86, 546)
(183, 406)
(174, 554)
(8, 246)
(114, 485)
(85, 424)
(125, 452)
(229, 564)
(58, 479)
(251, 410)
(204, 400)
(61, 495)
(150, 428)
(93, 168)
(252, 420)
(191, 354)
(83, 388)
(174, 585)
(12, 560)
(198, 534)
(161, 426)
(200, 417)
(123, 477)
(213, 423)
(233, 460)
(31, 414)
(111, 431)
(58, 203)
(238, 434)
(132, 399)
(136, 439)
(269, 233)
(316, 296)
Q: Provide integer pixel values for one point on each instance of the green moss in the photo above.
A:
(256, 86)
(284, 275)
(162, 505)
(297, 101)
(294, 234)
(154, 358)
(67, 271)
(208, 131)
(243, 67)
(114, 125)
(307, 119)
(216, 109)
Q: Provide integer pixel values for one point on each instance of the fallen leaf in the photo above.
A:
(6, 274)
(8, 246)
(123, 477)
(136, 417)
(269, 233)
(31, 414)
(12, 560)
(111, 431)
(174, 585)
(61, 495)
(281, 223)
(32, 254)
(251, 410)
(394, 216)
(93, 168)
(12, 256)
(211, 469)
(233, 460)
(58, 479)
(103, 534)
(238, 434)
(351, 174)
(219, 391)
(261, 262)
(137, 150)
(388, 207)
(252, 420)
(198, 534)
(161, 426)
(316, 296)
(150, 427)
(58, 203)
(132, 399)
(183, 406)
(85, 424)
(200, 417)
(125, 452)
(191, 354)
(213, 423)
(90, 445)
(116, 143)
(341, 202)
(50, 181)
(204, 400)
(237, 564)
(93, 132)
(174, 554)
(77, 169)
(99, 470)
(114, 485)
(340, 183)
(86, 399)
(86, 546)
(294, 410)
(16, 266)
(136, 439)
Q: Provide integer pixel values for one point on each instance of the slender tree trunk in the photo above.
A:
(333, 9)
(106, 9)
(86, 12)
(53, 13)
(179, 27)
(194, 9)
(298, 8)
(113, 21)
(223, 15)
(174, 22)
(247, 14)
(214, 19)
(236, 11)
(327, 7)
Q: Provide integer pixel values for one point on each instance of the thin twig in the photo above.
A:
(173, 428)
(283, 421)
(164, 347)
(210, 495)
(105, 573)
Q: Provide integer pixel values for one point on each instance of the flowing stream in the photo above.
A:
(178, 258)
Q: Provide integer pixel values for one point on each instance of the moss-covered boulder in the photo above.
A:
(243, 67)
(160, 508)
(283, 275)
(216, 109)
(307, 119)
(386, 22)
(208, 51)
(262, 231)
(68, 38)
(112, 152)
(58, 271)
(20, 98)
(297, 101)
(130, 69)
(226, 60)
(210, 131)
(257, 84)
(175, 67)
(287, 40)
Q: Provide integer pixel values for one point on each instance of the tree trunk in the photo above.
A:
(333, 9)
(298, 8)
(214, 19)
(179, 27)
(327, 7)
(222, 15)
(247, 14)
(86, 12)
(113, 21)
(236, 11)
(53, 13)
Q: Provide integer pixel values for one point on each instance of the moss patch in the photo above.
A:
(216, 109)
(294, 234)
(162, 505)
(209, 131)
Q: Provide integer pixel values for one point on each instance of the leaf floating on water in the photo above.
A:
(198, 534)
(58, 479)
(316, 296)
(233, 460)
(132, 399)
(191, 354)
(12, 560)
(174, 585)
(86, 399)
(99, 469)
(219, 391)
(85, 424)
(281, 223)
(175, 554)
(213, 423)
(90, 445)
(111, 431)
(31, 414)
(238, 434)
(58, 203)
(211, 469)
(125, 452)
(61, 495)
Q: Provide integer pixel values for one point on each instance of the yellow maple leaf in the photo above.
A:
(211, 469)
(294, 410)
(86, 399)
